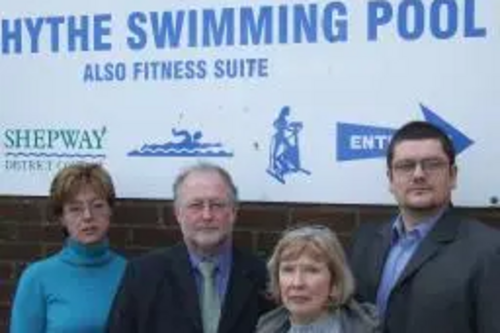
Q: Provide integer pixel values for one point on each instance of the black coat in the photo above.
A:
(450, 285)
(158, 295)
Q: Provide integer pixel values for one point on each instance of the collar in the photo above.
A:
(421, 229)
(221, 260)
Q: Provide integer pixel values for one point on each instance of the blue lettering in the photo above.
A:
(450, 27)
(225, 28)
(471, 30)
(139, 39)
(305, 22)
(102, 29)
(252, 31)
(78, 34)
(34, 28)
(406, 7)
(167, 27)
(335, 30)
(283, 26)
(193, 29)
(379, 13)
(54, 23)
(13, 36)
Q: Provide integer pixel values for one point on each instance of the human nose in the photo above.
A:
(297, 279)
(206, 212)
(418, 171)
(86, 212)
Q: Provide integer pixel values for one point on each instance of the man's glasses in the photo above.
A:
(429, 166)
(95, 208)
(214, 206)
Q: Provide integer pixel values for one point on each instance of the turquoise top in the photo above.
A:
(69, 292)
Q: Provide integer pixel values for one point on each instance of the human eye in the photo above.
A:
(74, 209)
(195, 205)
(312, 269)
(218, 205)
(433, 164)
(285, 268)
(99, 206)
(405, 166)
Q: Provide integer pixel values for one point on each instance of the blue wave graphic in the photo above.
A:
(189, 145)
(58, 155)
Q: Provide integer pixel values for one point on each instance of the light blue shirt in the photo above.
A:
(404, 244)
(223, 267)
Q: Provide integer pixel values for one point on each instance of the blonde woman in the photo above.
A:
(312, 282)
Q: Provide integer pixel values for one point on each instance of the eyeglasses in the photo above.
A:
(215, 206)
(429, 166)
(95, 208)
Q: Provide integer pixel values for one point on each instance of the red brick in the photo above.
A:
(6, 292)
(129, 213)
(51, 233)
(21, 210)
(266, 242)
(7, 271)
(341, 220)
(20, 252)
(155, 237)
(133, 251)
(4, 316)
(8, 231)
(377, 214)
(119, 236)
(262, 217)
(243, 240)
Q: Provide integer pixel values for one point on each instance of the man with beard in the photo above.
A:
(204, 284)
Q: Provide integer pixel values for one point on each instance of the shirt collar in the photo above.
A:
(221, 260)
(421, 229)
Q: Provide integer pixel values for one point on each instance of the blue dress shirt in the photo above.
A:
(403, 246)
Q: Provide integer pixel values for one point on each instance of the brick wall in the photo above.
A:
(140, 225)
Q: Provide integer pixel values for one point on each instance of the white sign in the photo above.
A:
(298, 99)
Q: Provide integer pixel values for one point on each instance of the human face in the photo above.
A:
(205, 212)
(86, 217)
(305, 288)
(421, 178)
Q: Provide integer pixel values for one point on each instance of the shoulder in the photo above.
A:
(38, 273)
(156, 258)
(360, 317)
(274, 321)
(470, 233)
(250, 264)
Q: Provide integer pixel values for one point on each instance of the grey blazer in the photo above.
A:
(353, 317)
(450, 285)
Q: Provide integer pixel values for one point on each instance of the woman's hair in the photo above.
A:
(72, 178)
(322, 245)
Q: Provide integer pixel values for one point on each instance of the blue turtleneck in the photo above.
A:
(69, 292)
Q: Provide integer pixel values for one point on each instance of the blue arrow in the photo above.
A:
(460, 140)
(361, 141)
(355, 141)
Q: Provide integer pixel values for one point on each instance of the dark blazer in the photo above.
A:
(158, 294)
(450, 285)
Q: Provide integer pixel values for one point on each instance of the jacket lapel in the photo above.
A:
(184, 279)
(240, 285)
(380, 250)
(443, 232)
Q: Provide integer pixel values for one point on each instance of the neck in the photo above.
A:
(413, 217)
(308, 319)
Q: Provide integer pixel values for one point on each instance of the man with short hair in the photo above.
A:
(203, 285)
(430, 270)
